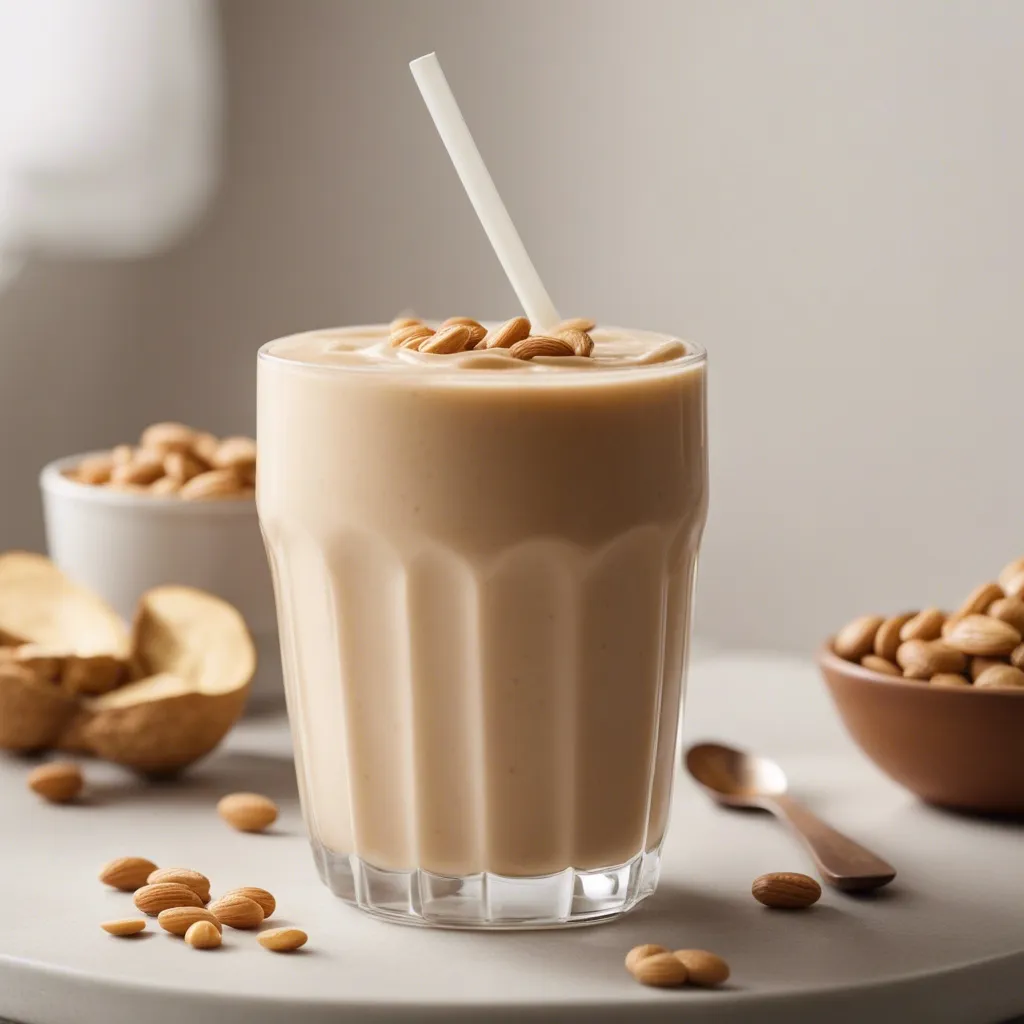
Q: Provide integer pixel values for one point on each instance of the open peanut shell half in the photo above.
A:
(51, 628)
(39, 605)
(73, 677)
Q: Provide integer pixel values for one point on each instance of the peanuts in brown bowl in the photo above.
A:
(979, 646)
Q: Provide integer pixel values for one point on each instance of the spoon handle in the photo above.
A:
(842, 862)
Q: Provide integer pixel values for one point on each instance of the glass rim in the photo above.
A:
(696, 355)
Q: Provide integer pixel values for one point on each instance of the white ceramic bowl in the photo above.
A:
(120, 544)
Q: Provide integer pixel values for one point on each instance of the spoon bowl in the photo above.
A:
(733, 777)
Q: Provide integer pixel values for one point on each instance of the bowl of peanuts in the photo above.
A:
(176, 507)
(936, 699)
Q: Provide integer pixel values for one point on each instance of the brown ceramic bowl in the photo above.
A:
(958, 748)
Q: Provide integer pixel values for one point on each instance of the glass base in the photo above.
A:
(489, 901)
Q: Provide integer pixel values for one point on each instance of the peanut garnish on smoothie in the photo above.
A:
(464, 334)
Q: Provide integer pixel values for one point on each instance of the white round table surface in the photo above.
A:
(945, 942)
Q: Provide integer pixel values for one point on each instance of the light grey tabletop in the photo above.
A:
(944, 943)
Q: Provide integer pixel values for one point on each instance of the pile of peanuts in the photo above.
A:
(980, 645)
(173, 460)
(179, 898)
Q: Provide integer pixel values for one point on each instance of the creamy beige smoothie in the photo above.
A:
(483, 569)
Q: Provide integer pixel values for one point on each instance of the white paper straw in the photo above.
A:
(479, 186)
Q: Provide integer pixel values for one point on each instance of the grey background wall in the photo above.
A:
(828, 196)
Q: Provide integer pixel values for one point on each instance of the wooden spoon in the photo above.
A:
(737, 779)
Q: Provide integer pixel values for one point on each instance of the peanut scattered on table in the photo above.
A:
(651, 964)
